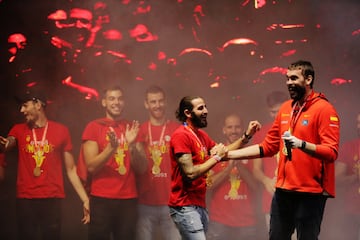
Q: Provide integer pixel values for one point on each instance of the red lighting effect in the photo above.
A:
(190, 50)
(90, 92)
(340, 81)
(141, 33)
(238, 41)
(289, 53)
(356, 32)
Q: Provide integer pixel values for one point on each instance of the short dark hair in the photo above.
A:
(276, 97)
(185, 103)
(306, 67)
(154, 89)
(111, 88)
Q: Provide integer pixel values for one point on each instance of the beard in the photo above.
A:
(198, 121)
(297, 92)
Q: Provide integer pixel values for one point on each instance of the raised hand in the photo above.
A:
(113, 140)
(253, 127)
(132, 131)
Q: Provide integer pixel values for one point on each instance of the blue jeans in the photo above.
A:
(300, 211)
(192, 221)
(152, 218)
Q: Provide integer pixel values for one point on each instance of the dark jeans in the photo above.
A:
(112, 217)
(290, 210)
(39, 217)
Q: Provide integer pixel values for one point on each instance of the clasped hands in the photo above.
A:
(220, 150)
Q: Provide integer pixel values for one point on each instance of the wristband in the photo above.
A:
(303, 145)
(217, 158)
(248, 137)
(261, 151)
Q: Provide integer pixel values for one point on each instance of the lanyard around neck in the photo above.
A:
(43, 136)
(161, 135)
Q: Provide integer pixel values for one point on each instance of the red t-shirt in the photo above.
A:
(316, 123)
(269, 166)
(154, 184)
(115, 179)
(350, 155)
(232, 203)
(51, 146)
(183, 191)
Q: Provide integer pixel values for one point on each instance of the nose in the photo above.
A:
(205, 110)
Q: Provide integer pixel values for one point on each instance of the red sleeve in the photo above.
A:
(329, 129)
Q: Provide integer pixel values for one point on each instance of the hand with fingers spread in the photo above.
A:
(132, 131)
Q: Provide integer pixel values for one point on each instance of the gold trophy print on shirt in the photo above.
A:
(38, 150)
(120, 154)
(119, 158)
(156, 155)
(157, 148)
(235, 182)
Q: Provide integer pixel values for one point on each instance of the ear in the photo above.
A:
(146, 105)
(308, 80)
(103, 103)
(187, 113)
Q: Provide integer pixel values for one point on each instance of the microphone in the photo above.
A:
(288, 145)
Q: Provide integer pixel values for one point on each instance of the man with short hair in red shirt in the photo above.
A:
(43, 147)
(112, 157)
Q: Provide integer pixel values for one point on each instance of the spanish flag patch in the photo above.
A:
(334, 118)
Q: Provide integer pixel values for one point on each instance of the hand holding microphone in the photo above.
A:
(291, 142)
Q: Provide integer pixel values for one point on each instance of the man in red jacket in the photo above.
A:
(306, 132)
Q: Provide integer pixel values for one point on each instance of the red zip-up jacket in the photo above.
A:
(317, 123)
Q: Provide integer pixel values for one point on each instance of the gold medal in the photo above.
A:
(285, 151)
(37, 171)
(122, 170)
(155, 169)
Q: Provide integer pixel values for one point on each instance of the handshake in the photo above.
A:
(219, 152)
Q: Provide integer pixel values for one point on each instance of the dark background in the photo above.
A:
(328, 37)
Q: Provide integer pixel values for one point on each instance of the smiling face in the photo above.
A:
(155, 104)
(232, 129)
(297, 84)
(199, 113)
(114, 103)
(30, 110)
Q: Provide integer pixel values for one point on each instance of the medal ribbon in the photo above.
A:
(295, 114)
(39, 153)
(161, 135)
(203, 148)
